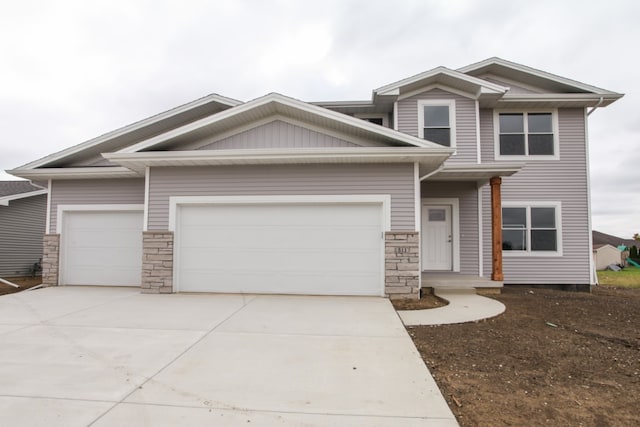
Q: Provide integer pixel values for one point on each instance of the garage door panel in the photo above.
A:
(262, 238)
(281, 248)
(102, 248)
(288, 283)
(342, 260)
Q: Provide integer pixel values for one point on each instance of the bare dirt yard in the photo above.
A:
(23, 282)
(553, 358)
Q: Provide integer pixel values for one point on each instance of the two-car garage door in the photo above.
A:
(304, 248)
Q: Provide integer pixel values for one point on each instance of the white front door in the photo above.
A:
(437, 242)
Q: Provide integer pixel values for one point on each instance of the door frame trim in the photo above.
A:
(454, 202)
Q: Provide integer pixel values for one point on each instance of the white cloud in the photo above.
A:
(74, 69)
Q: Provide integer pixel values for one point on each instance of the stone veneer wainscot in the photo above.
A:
(402, 265)
(157, 262)
(50, 259)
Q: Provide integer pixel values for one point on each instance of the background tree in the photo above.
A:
(636, 236)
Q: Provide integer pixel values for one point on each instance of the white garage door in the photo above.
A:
(318, 249)
(102, 248)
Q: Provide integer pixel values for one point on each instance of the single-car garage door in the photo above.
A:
(101, 248)
(319, 249)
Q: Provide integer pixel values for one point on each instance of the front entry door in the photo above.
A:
(438, 238)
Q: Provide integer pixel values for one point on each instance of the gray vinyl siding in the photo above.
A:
(396, 180)
(278, 134)
(94, 192)
(21, 231)
(466, 140)
(563, 181)
(487, 147)
(467, 196)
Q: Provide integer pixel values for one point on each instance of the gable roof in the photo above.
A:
(445, 76)
(551, 82)
(13, 190)
(600, 238)
(275, 105)
(140, 130)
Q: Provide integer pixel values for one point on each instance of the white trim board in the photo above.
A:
(454, 202)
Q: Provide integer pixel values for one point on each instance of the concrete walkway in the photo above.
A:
(464, 306)
(99, 356)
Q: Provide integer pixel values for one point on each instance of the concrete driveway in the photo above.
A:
(77, 356)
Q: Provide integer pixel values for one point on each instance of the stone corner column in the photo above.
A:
(157, 262)
(402, 265)
(496, 229)
(50, 259)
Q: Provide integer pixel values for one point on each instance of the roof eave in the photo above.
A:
(139, 161)
(130, 128)
(4, 201)
(495, 61)
(75, 173)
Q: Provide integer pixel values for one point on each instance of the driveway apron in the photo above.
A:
(77, 356)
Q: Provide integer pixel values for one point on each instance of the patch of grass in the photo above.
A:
(627, 278)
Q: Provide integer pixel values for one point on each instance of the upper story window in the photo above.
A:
(526, 134)
(531, 228)
(436, 121)
(378, 119)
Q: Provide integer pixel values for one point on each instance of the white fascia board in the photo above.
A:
(489, 169)
(272, 100)
(74, 173)
(130, 128)
(4, 201)
(270, 154)
(535, 72)
(394, 88)
(586, 98)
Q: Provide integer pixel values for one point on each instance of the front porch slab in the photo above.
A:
(451, 280)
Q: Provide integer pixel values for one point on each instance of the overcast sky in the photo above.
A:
(72, 70)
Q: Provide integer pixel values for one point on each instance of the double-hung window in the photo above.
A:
(436, 121)
(527, 134)
(531, 228)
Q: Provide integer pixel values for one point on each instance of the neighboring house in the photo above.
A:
(481, 172)
(605, 255)
(600, 238)
(23, 209)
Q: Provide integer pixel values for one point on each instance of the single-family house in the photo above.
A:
(478, 172)
(23, 209)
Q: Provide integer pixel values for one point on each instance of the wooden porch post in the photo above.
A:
(496, 229)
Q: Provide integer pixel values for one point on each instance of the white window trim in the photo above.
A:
(451, 103)
(555, 129)
(455, 227)
(537, 204)
(383, 116)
